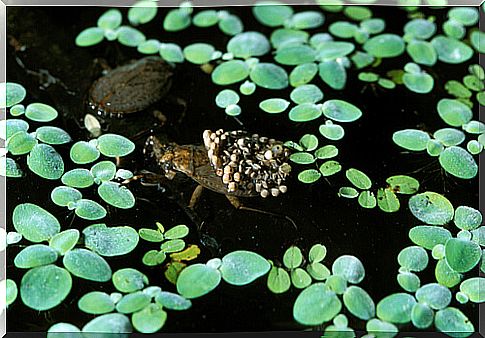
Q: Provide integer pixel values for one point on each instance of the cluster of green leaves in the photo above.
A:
(472, 83)
(45, 285)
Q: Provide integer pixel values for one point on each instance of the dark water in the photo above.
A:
(345, 228)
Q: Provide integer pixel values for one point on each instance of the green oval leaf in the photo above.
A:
(88, 265)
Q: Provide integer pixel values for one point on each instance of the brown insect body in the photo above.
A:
(191, 160)
(130, 88)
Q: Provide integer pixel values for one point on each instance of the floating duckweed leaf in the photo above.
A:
(453, 322)
(343, 29)
(302, 74)
(283, 36)
(474, 127)
(362, 60)
(172, 245)
(130, 36)
(474, 147)
(176, 20)
(309, 176)
(292, 257)
(188, 254)
(305, 112)
(172, 301)
(454, 29)
(83, 152)
(199, 53)
(358, 178)
(474, 288)
(461, 297)
(226, 97)
(302, 158)
(108, 323)
(373, 26)
(96, 303)
(11, 126)
(45, 287)
(88, 209)
(123, 174)
(477, 38)
(331, 131)
(350, 268)
(205, 18)
(111, 19)
(462, 255)
(197, 280)
(110, 241)
(474, 83)
(408, 281)
(133, 302)
(341, 111)
(64, 241)
(21, 143)
(90, 36)
(300, 278)
(318, 271)
(306, 94)
(431, 208)
(467, 218)
(428, 236)
(435, 295)
(455, 88)
(348, 192)
(309, 142)
(357, 13)
(248, 44)
(103, 171)
(14, 94)
(331, 50)
(306, 20)
(171, 52)
(62, 195)
(116, 195)
(78, 178)
(35, 255)
(359, 303)
(11, 168)
(11, 291)
(434, 147)
(327, 151)
(387, 200)
(233, 110)
(381, 328)
(274, 106)
(231, 25)
(272, 13)
(333, 74)
(179, 231)
(86, 264)
(243, 267)
(278, 280)
(445, 275)
(129, 280)
(420, 29)
(368, 77)
(367, 199)
(270, 76)
(52, 135)
(316, 305)
(467, 16)
(142, 12)
(151, 235)
(403, 184)
(154, 257)
(113, 145)
(34, 223)
(449, 136)
(330, 168)
(295, 55)
(413, 258)
(150, 319)
(40, 112)
(422, 316)
(458, 162)
(454, 112)
(385, 46)
(151, 46)
(247, 88)
(411, 139)
(229, 72)
(420, 83)
(336, 283)
(396, 308)
(317, 253)
(451, 50)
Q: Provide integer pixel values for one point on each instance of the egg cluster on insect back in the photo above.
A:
(248, 162)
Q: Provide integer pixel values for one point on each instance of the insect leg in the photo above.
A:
(238, 205)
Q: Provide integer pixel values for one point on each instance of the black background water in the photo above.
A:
(341, 225)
